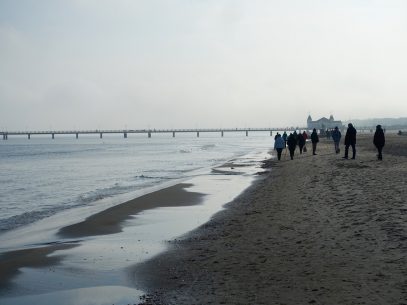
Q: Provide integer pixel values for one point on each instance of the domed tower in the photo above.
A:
(331, 118)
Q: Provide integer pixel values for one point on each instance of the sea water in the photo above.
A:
(42, 177)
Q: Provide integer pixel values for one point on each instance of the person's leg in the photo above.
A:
(353, 151)
(300, 149)
(292, 154)
(336, 147)
(279, 150)
(314, 148)
(346, 151)
(379, 156)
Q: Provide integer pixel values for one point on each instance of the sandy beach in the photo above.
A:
(316, 230)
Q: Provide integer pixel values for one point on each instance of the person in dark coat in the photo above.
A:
(350, 140)
(378, 141)
(285, 139)
(291, 143)
(314, 140)
(300, 141)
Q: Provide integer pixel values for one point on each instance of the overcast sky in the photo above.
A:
(199, 63)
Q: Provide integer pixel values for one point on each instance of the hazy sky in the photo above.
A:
(199, 63)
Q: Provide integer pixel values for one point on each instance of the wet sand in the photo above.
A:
(11, 262)
(110, 220)
(316, 230)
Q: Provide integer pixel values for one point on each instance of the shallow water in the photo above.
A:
(42, 177)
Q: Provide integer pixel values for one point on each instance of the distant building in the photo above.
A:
(323, 123)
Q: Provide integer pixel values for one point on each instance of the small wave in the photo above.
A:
(208, 146)
(185, 151)
(157, 178)
(26, 218)
(225, 172)
(100, 194)
(34, 153)
(144, 177)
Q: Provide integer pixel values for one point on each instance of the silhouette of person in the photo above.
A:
(292, 143)
(305, 135)
(350, 140)
(378, 141)
(314, 140)
(285, 139)
(279, 144)
(336, 136)
(300, 141)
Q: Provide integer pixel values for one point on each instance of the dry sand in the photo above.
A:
(317, 230)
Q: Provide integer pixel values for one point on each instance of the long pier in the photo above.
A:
(126, 132)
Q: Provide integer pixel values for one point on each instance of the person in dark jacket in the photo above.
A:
(378, 141)
(314, 140)
(336, 136)
(350, 140)
(300, 141)
(291, 143)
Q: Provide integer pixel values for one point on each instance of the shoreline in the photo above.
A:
(106, 222)
(98, 252)
(317, 230)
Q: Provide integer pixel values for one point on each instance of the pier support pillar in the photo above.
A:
(101, 135)
(53, 136)
(247, 133)
(221, 133)
(197, 134)
(173, 134)
(149, 134)
(29, 136)
(77, 135)
(125, 135)
(271, 133)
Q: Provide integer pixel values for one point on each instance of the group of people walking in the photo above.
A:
(294, 139)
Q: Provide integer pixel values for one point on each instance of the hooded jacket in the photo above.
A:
(350, 137)
(378, 138)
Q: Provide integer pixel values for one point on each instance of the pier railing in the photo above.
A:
(125, 132)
